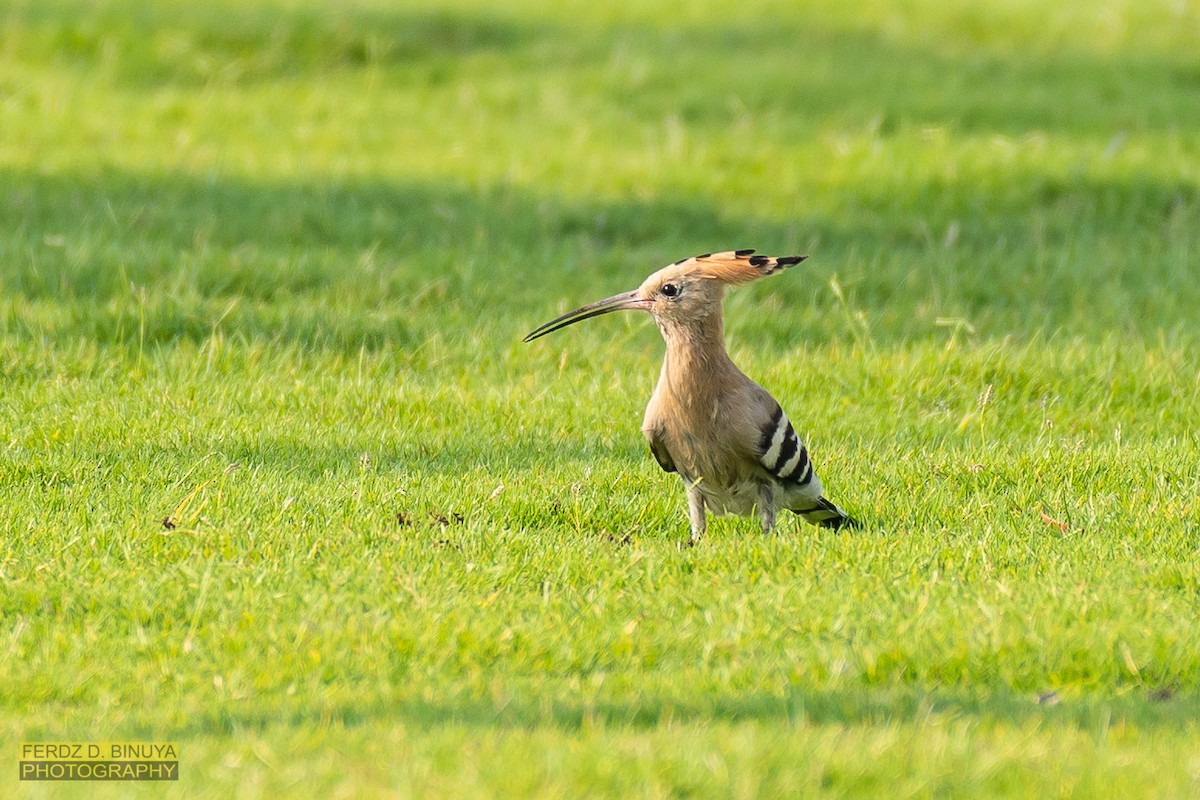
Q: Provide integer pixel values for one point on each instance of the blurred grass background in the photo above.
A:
(264, 269)
(1023, 169)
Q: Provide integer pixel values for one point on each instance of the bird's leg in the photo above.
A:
(766, 508)
(696, 511)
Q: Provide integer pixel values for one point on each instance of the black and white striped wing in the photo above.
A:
(782, 453)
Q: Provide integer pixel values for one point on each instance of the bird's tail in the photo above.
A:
(827, 515)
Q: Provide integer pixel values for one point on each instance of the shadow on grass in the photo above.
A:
(119, 257)
(1145, 708)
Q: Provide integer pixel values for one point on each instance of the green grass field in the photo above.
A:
(279, 481)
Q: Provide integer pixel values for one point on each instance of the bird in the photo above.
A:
(725, 436)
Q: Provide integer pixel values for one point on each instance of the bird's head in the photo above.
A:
(683, 292)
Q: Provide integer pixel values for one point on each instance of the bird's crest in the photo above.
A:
(735, 266)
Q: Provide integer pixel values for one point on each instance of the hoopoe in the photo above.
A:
(726, 436)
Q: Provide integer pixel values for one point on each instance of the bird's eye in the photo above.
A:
(670, 290)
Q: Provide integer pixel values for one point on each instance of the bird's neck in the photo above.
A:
(696, 364)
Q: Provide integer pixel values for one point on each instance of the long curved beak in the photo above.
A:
(626, 301)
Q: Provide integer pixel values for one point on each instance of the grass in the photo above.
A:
(278, 480)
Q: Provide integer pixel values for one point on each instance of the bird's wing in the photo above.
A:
(659, 450)
(782, 453)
